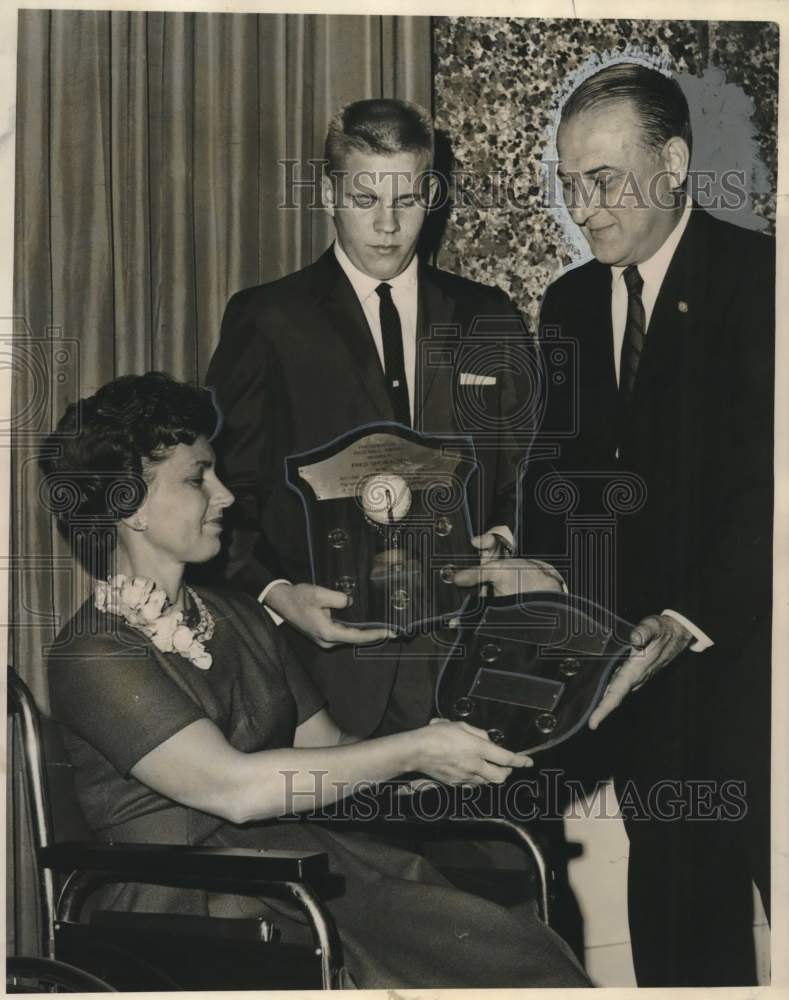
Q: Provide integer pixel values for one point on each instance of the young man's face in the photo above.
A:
(619, 191)
(378, 204)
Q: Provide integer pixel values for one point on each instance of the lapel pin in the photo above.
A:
(682, 306)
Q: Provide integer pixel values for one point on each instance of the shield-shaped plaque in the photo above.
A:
(530, 670)
(388, 522)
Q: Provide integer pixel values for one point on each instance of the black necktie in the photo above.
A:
(394, 365)
(635, 335)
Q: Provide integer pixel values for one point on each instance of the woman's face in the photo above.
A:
(183, 508)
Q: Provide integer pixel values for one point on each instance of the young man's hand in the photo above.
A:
(308, 608)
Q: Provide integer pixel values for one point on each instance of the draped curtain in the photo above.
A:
(156, 161)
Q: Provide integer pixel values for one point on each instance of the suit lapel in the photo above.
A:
(596, 370)
(344, 314)
(599, 395)
(602, 326)
(678, 304)
(435, 308)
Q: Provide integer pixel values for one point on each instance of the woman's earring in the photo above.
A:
(140, 523)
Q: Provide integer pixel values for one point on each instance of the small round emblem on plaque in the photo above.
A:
(346, 584)
(546, 722)
(443, 526)
(495, 736)
(464, 707)
(490, 652)
(569, 666)
(400, 600)
(447, 573)
(338, 538)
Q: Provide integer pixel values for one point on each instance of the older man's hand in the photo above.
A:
(656, 641)
(511, 576)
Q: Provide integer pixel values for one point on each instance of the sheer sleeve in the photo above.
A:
(117, 698)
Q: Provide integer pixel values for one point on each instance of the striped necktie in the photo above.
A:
(635, 335)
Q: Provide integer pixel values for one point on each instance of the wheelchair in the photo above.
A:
(165, 951)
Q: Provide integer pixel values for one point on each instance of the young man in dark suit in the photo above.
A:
(341, 344)
(673, 323)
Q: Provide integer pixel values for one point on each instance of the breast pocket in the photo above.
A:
(476, 404)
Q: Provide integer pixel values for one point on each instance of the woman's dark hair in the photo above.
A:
(94, 463)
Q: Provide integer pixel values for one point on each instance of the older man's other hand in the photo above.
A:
(493, 544)
(656, 641)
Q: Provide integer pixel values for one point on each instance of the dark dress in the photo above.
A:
(401, 923)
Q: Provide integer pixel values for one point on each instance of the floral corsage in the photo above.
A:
(146, 607)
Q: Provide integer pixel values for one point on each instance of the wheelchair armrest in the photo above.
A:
(175, 861)
(242, 871)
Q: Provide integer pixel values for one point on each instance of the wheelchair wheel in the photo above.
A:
(44, 975)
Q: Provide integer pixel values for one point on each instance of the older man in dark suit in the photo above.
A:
(341, 344)
(673, 323)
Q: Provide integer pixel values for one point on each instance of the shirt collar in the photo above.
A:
(364, 285)
(653, 269)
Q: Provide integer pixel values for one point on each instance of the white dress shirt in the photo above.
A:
(405, 295)
(652, 271)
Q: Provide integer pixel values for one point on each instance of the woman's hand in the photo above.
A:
(512, 576)
(456, 753)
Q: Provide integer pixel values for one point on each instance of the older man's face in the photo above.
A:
(378, 208)
(617, 190)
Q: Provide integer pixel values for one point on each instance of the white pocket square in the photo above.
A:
(469, 378)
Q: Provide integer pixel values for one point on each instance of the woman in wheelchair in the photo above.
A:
(189, 721)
